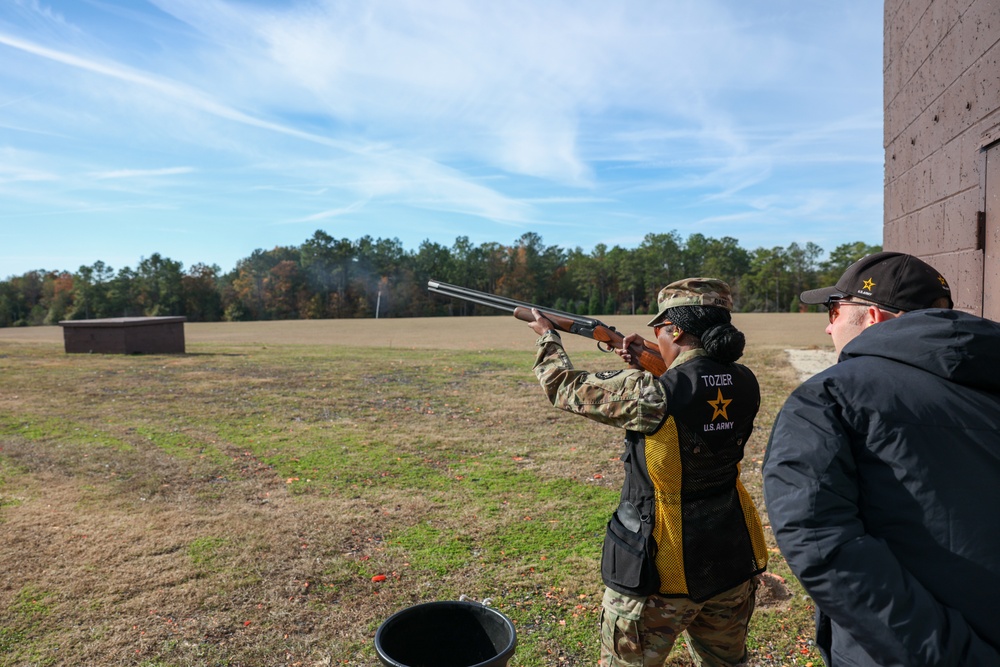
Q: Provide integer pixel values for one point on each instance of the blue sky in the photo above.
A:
(205, 129)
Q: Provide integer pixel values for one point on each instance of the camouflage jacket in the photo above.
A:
(628, 398)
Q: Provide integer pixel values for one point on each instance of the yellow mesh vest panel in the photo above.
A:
(663, 460)
(753, 525)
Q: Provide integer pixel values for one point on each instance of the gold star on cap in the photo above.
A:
(719, 405)
(869, 284)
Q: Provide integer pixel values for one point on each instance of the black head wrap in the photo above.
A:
(713, 327)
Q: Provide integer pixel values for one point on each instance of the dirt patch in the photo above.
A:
(772, 591)
(809, 362)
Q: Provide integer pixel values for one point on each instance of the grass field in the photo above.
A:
(241, 504)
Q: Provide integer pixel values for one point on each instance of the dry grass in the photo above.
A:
(776, 330)
(230, 506)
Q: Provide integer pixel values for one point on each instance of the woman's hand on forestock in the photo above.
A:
(541, 323)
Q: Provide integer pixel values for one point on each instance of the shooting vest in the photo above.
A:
(686, 527)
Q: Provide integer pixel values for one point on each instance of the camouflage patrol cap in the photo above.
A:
(693, 292)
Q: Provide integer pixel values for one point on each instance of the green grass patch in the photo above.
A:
(434, 549)
(55, 430)
(10, 639)
(179, 444)
(32, 603)
(204, 552)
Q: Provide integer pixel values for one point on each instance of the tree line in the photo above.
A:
(327, 277)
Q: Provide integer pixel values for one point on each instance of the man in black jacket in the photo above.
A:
(882, 475)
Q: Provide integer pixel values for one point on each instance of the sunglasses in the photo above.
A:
(833, 307)
(659, 325)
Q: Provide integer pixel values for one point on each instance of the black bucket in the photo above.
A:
(446, 634)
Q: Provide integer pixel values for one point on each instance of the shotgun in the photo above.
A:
(646, 354)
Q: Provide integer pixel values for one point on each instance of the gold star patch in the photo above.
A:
(869, 284)
(719, 405)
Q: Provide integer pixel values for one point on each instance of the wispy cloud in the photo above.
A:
(17, 174)
(178, 92)
(142, 173)
(326, 215)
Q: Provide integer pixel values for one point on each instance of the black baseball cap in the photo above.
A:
(892, 279)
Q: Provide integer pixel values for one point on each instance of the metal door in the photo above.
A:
(991, 236)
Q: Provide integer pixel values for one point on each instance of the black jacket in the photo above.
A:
(882, 484)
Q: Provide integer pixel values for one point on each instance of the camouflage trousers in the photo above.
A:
(639, 632)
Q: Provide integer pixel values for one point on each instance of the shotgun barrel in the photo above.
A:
(505, 303)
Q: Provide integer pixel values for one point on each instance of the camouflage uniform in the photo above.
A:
(642, 631)
(637, 631)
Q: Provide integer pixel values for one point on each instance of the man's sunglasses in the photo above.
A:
(833, 307)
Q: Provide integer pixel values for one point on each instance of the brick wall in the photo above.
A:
(942, 108)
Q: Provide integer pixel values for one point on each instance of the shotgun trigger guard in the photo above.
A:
(606, 348)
